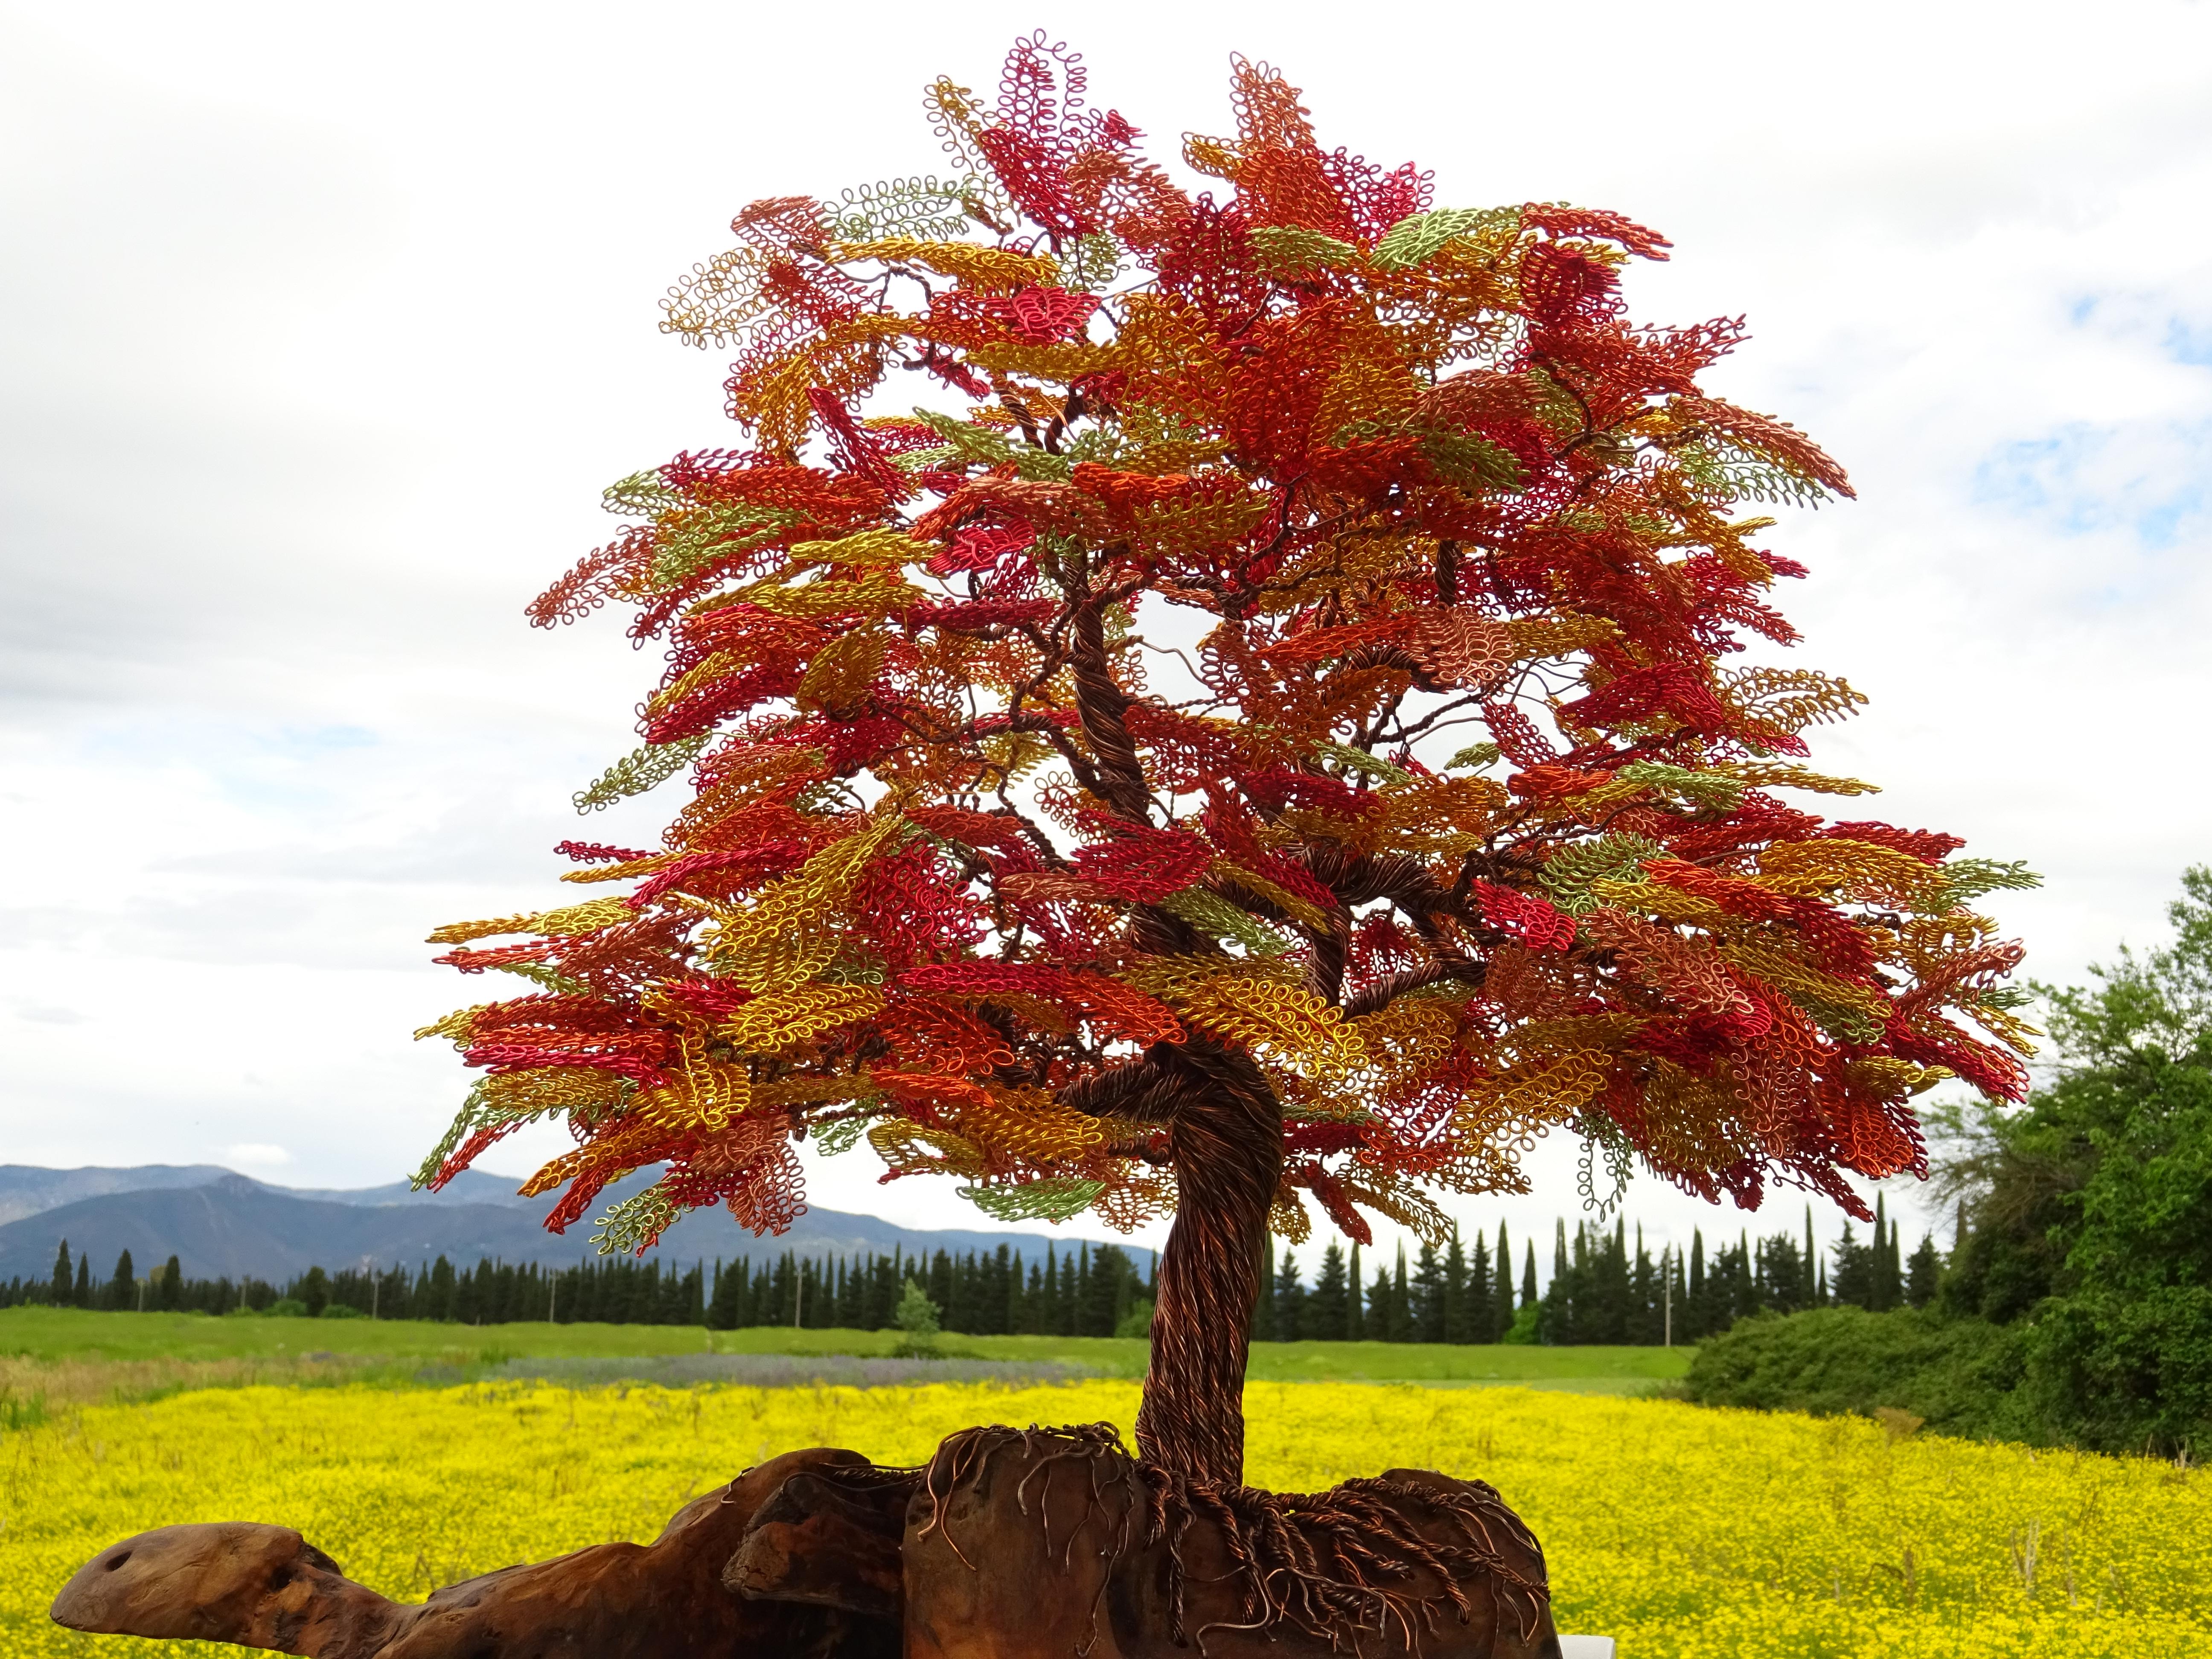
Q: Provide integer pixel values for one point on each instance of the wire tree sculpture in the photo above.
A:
(1263, 731)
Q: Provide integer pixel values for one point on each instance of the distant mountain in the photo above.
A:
(231, 1226)
(26, 1189)
(469, 1187)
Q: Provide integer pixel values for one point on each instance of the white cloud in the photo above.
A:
(322, 340)
(257, 1155)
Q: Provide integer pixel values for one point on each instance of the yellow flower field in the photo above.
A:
(1687, 1533)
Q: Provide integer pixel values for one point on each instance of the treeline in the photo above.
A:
(1603, 1289)
(1087, 1289)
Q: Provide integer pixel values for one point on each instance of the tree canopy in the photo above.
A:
(1304, 636)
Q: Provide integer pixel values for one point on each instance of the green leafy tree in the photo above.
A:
(917, 1319)
(2091, 1205)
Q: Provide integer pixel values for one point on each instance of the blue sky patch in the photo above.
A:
(2148, 478)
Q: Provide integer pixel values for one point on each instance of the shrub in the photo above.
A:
(1961, 1376)
(2127, 1373)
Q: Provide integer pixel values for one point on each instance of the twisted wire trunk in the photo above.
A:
(1227, 1141)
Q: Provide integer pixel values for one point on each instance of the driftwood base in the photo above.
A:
(1007, 1545)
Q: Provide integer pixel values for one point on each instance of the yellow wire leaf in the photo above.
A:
(1289, 1018)
(841, 671)
(460, 933)
(893, 549)
(784, 1020)
(782, 941)
(585, 918)
(1876, 875)
(977, 267)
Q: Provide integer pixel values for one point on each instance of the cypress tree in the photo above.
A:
(1854, 1273)
(1504, 1315)
(938, 1285)
(1033, 1303)
(1355, 1316)
(1529, 1276)
(1401, 1305)
(1923, 1272)
(64, 1277)
(82, 1296)
(1644, 1296)
(1481, 1297)
(1458, 1299)
(172, 1286)
(1105, 1291)
(1289, 1301)
(439, 1299)
(1263, 1304)
(1428, 1309)
(1007, 1290)
(1888, 1260)
(725, 1307)
(1329, 1306)
(123, 1289)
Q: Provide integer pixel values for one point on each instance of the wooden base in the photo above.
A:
(1009, 1545)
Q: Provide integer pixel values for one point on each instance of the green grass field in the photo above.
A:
(259, 1349)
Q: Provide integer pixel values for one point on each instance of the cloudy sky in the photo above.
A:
(321, 329)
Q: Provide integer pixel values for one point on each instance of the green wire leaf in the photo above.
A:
(639, 770)
(1055, 1199)
(1420, 239)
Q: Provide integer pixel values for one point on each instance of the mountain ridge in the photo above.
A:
(234, 1227)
